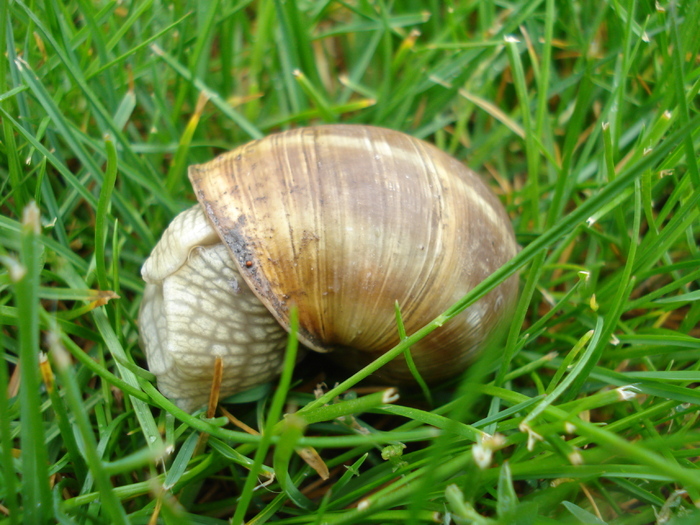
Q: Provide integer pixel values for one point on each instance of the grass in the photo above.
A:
(583, 117)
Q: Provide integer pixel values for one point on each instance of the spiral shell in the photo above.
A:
(344, 220)
(341, 221)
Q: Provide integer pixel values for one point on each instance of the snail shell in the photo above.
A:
(340, 221)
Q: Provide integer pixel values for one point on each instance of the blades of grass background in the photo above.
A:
(678, 81)
(664, 448)
(110, 504)
(495, 112)
(543, 79)
(244, 438)
(21, 194)
(619, 82)
(652, 248)
(582, 515)
(63, 421)
(409, 357)
(178, 168)
(519, 315)
(80, 355)
(4, 9)
(609, 162)
(450, 425)
(626, 284)
(234, 456)
(48, 197)
(507, 498)
(460, 410)
(359, 69)
(316, 97)
(36, 497)
(273, 416)
(566, 363)
(102, 116)
(19, 191)
(137, 489)
(101, 225)
(69, 136)
(288, 51)
(143, 412)
(205, 31)
(179, 464)
(264, 35)
(292, 429)
(296, 38)
(125, 110)
(121, 31)
(22, 103)
(458, 70)
(349, 407)
(404, 52)
(111, 341)
(532, 153)
(60, 166)
(564, 180)
(197, 57)
(214, 97)
(633, 451)
(11, 93)
(97, 36)
(383, 64)
(387, 499)
(543, 132)
(577, 372)
(351, 471)
(141, 45)
(12, 227)
(117, 244)
(607, 438)
(137, 460)
(531, 150)
(8, 474)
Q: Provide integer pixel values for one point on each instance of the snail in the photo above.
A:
(341, 221)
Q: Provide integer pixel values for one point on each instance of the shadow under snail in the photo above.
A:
(341, 221)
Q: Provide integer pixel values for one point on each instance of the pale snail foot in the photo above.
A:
(196, 307)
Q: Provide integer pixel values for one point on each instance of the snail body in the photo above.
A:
(340, 221)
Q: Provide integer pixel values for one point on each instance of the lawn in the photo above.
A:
(582, 116)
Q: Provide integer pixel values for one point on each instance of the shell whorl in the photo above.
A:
(343, 221)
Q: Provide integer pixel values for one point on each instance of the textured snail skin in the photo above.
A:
(196, 307)
(341, 221)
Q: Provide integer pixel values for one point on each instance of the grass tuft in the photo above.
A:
(583, 117)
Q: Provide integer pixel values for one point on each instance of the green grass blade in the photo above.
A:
(108, 181)
(36, 498)
(273, 416)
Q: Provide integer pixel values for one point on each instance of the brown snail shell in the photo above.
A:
(342, 221)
